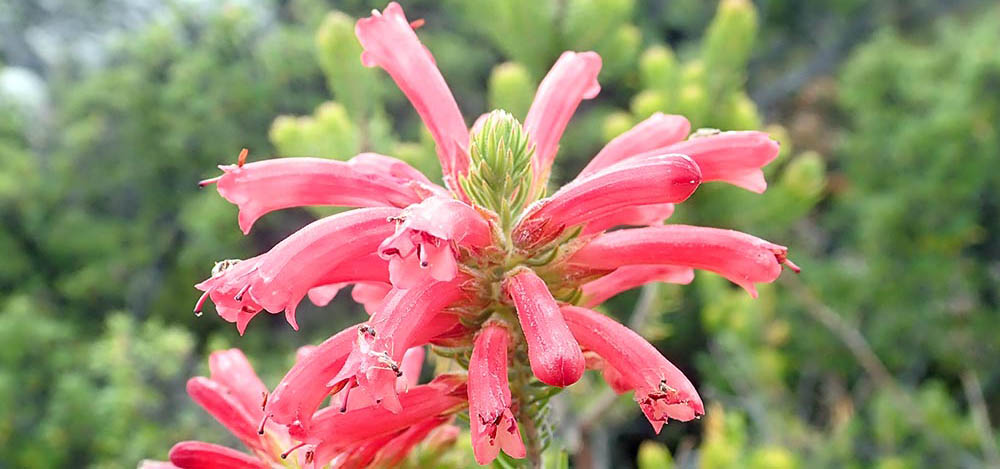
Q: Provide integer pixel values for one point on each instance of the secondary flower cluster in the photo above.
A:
(486, 268)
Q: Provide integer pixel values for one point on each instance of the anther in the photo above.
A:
(239, 295)
(417, 23)
(242, 159)
(263, 404)
(293, 448)
(260, 429)
(200, 304)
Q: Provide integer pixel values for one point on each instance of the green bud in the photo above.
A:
(500, 174)
(742, 112)
(588, 23)
(658, 69)
(511, 88)
(693, 102)
(805, 176)
(654, 455)
(647, 102)
(772, 458)
(616, 124)
(620, 50)
(727, 44)
(329, 131)
(339, 54)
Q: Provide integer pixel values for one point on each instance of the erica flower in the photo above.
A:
(497, 276)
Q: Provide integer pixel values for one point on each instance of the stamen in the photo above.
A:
(206, 182)
(260, 429)
(263, 405)
(239, 295)
(242, 160)
(347, 394)
(417, 23)
(293, 448)
(200, 304)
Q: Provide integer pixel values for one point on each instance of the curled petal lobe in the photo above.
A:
(572, 79)
(370, 295)
(200, 455)
(554, 355)
(661, 390)
(491, 421)
(428, 235)
(367, 180)
(324, 294)
(658, 179)
(657, 131)
(743, 259)
(734, 157)
(631, 276)
(390, 43)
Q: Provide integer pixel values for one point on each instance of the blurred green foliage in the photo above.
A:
(878, 355)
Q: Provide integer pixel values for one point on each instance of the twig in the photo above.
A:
(850, 336)
(981, 417)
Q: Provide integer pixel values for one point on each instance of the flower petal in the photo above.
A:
(227, 409)
(655, 179)
(572, 79)
(490, 419)
(657, 131)
(200, 455)
(743, 259)
(733, 157)
(367, 180)
(628, 277)
(554, 355)
(637, 215)
(390, 42)
(660, 388)
(231, 369)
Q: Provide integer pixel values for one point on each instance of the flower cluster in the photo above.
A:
(487, 268)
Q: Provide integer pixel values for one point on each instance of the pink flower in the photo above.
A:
(235, 396)
(333, 431)
(462, 268)
(428, 238)
(390, 42)
(733, 157)
(490, 419)
(661, 390)
(311, 257)
(367, 180)
(637, 182)
(654, 133)
(741, 258)
(631, 276)
(200, 455)
(374, 361)
(636, 215)
(572, 79)
(554, 355)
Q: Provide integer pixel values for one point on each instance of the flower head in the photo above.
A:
(487, 266)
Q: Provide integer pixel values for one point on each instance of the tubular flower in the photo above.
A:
(367, 180)
(661, 390)
(235, 396)
(427, 238)
(490, 271)
(555, 357)
(490, 419)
